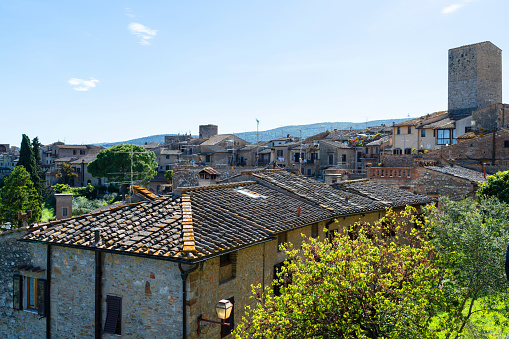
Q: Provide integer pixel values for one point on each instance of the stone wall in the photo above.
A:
(19, 323)
(391, 160)
(424, 181)
(474, 152)
(254, 265)
(72, 293)
(151, 292)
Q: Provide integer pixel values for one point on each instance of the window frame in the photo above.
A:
(22, 294)
(282, 238)
(423, 133)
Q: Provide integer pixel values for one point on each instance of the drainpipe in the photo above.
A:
(184, 274)
(98, 294)
(48, 290)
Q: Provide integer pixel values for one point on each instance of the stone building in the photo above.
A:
(475, 78)
(151, 269)
(454, 182)
(207, 131)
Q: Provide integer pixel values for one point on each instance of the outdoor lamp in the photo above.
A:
(223, 310)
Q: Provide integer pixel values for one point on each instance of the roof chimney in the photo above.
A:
(63, 206)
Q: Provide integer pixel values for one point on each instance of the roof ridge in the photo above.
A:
(189, 248)
(231, 184)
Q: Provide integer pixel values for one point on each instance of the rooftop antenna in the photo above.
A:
(131, 181)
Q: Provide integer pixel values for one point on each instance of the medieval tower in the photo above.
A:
(475, 78)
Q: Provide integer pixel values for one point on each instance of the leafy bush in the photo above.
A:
(81, 205)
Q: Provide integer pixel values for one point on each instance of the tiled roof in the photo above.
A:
(336, 144)
(209, 170)
(428, 118)
(468, 135)
(217, 139)
(440, 124)
(460, 172)
(213, 219)
(153, 228)
(170, 152)
(378, 142)
(323, 195)
(390, 196)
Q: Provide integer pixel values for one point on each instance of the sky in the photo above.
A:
(101, 71)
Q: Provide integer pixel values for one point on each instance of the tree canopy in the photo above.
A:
(19, 195)
(496, 185)
(66, 173)
(115, 164)
(375, 281)
(30, 159)
(472, 237)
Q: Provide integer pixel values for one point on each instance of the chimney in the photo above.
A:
(63, 206)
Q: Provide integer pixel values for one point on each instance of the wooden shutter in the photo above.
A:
(114, 307)
(17, 292)
(42, 297)
(225, 329)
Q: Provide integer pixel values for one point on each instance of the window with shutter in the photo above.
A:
(42, 297)
(17, 294)
(227, 329)
(113, 324)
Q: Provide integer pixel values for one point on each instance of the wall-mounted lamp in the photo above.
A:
(223, 310)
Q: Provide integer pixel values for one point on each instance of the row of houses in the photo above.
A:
(157, 267)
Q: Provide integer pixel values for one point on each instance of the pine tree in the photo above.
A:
(19, 195)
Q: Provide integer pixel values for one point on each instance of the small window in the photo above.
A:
(331, 159)
(281, 239)
(227, 329)
(82, 152)
(65, 211)
(314, 231)
(73, 152)
(343, 158)
(30, 293)
(399, 130)
(506, 143)
(423, 133)
(409, 129)
(227, 267)
(113, 324)
(408, 151)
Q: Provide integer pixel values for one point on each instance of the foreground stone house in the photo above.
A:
(150, 269)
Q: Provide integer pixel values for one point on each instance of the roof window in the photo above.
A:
(250, 194)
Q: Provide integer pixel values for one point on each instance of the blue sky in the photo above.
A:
(100, 71)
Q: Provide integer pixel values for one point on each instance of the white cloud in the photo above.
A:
(143, 32)
(82, 85)
(451, 8)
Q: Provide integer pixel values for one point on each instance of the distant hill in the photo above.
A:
(307, 131)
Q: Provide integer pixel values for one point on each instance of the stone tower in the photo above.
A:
(207, 131)
(475, 78)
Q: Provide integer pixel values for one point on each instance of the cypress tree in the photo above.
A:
(38, 174)
(27, 160)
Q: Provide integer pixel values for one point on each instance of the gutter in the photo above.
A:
(48, 290)
(184, 274)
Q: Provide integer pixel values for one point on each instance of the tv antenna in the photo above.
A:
(131, 181)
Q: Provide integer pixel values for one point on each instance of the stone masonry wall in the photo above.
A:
(151, 292)
(429, 182)
(473, 153)
(72, 293)
(255, 265)
(19, 323)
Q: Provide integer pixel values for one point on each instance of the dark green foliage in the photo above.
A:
(115, 164)
(497, 185)
(32, 163)
(19, 195)
(113, 189)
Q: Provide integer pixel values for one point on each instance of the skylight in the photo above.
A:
(250, 194)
